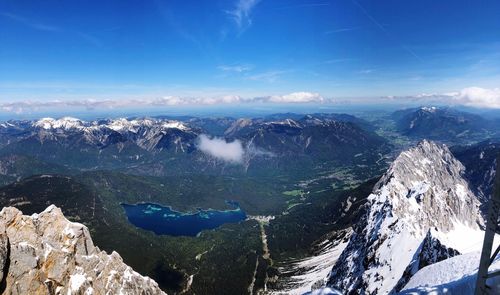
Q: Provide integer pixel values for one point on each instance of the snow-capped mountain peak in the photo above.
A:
(175, 125)
(119, 125)
(421, 200)
(146, 133)
(429, 109)
(125, 125)
(428, 169)
(62, 123)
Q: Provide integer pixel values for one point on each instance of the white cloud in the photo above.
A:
(298, 97)
(168, 100)
(220, 149)
(28, 105)
(175, 100)
(471, 96)
(479, 97)
(231, 99)
(242, 13)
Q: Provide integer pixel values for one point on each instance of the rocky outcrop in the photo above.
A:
(47, 254)
(419, 213)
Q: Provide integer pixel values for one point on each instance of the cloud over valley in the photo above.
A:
(220, 149)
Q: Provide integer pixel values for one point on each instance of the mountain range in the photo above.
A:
(332, 201)
(169, 147)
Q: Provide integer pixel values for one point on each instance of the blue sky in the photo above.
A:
(327, 49)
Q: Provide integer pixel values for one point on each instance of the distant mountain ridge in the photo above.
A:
(444, 124)
(162, 146)
(320, 136)
(480, 162)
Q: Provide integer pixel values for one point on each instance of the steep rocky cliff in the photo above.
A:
(47, 254)
(420, 212)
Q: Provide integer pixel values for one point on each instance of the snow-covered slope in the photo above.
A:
(63, 123)
(420, 212)
(307, 274)
(456, 275)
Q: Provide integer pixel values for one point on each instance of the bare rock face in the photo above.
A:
(426, 182)
(4, 253)
(47, 254)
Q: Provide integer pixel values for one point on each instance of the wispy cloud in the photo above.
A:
(415, 78)
(90, 39)
(366, 71)
(269, 76)
(471, 96)
(337, 60)
(238, 68)
(174, 23)
(384, 30)
(242, 13)
(30, 23)
(49, 28)
(341, 30)
(305, 5)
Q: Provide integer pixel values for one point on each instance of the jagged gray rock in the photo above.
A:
(47, 254)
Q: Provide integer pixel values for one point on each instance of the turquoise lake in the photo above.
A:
(165, 221)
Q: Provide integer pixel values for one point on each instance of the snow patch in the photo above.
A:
(429, 109)
(456, 275)
(76, 281)
(64, 123)
(463, 238)
(314, 269)
(175, 125)
(461, 191)
(324, 291)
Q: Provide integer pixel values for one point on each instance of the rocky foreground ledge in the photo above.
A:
(47, 254)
